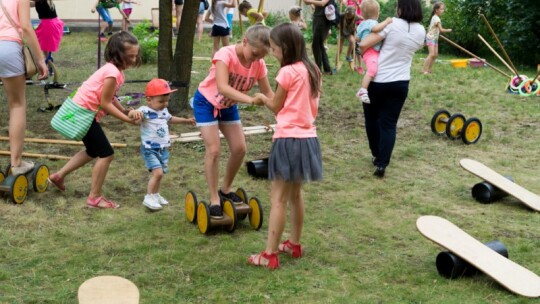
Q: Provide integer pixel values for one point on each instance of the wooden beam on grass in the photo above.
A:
(196, 136)
(59, 141)
(37, 155)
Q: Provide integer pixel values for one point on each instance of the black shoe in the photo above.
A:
(216, 211)
(102, 35)
(109, 33)
(233, 197)
(379, 172)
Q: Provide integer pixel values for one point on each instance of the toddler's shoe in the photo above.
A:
(216, 211)
(295, 250)
(362, 94)
(160, 199)
(56, 180)
(151, 202)
(23, 168)
(268, 260)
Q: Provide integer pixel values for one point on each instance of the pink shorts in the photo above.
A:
(371, 58)
(127, 11)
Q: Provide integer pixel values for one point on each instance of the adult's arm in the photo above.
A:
(31, 38)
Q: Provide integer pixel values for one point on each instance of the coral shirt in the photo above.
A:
(7, 31)
(241, 78)
(89, 93)
(297, 117)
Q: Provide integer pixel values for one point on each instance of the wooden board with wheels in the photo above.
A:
(509, 274)
(525, 196)
(108, 289)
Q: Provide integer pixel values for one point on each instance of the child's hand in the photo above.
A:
(190, 121)
(259, 99)
(388, 20)
(136, 116)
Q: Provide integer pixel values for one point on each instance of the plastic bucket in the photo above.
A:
(486, 193)
(258, 168)
(452, 266)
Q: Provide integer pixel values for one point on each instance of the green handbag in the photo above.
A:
(72, 120)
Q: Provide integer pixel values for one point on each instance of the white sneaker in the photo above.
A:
(151, 202)
(362, 94)
(25, 167)
(160, 199)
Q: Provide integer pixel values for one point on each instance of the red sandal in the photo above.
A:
(295, 250)
(268, 260)
(101, 203)
(56, 180)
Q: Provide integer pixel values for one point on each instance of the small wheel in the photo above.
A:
(438, 122)
(472, 130)
(190, 205)
(7, 171)
(2, 177)
(230, 210)
(455, 125)
(203, 217)
(18, 188)
(256, 215)
(40, 178)
(243, 195)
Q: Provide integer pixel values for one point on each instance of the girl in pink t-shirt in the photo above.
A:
(98, 94)
(235, 70)
(295, 157)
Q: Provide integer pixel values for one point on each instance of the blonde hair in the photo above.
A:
(258, 35)
(370, 9)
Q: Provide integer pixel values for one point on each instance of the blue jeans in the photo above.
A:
(381, 117)
(155, 158)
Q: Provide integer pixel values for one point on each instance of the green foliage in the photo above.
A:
(516, 23)
(275, 18)
(148, 41)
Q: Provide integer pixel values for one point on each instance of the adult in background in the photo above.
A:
(321, 26)
(12, 73)
(389, 89)
(50, 29)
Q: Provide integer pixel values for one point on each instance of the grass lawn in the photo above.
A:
(360, 239)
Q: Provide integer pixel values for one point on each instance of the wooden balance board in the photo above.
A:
(525, 196)
(511, 275)
(196, 136)
(108, 290)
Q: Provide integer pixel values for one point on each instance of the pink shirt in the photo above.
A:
(7, 31)
(297, 117)
(240, 78)
(89, 93)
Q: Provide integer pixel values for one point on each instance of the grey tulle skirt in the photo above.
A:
(295, 160)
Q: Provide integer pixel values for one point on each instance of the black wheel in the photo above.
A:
(243, 195)
(230, 210)
(190, 205)
(438, 122)
(472, 130)
(40, 178)
(7, 170)
(256, 215)
(203, 217)
(455, 125)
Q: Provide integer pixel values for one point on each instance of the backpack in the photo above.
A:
(331, 13)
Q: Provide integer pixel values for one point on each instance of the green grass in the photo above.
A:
(361, 243)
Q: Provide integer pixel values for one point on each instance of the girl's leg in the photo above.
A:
(225, 41)
(178, 15)
(278, 213)
(212, 144)
(155, 181)
(16, 96)
(350, 50)
(99, 172)
(234, 134)
(215, 47)
(78, 160)
(199, 27)
(296, 201)
(429, 59)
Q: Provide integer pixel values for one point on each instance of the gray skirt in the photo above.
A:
(295, 160)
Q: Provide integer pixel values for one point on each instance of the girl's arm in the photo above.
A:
(30, 37)
(124, 15)
(443, 30)
(257, 16)
(380, 26)
(111, 104)
(316, 2)
(276, 103)
(180, 120)
(207, 17)
(264, 87)
(369, 41)
(222, 81)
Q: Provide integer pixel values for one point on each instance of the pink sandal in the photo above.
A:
(56, 180)
(101, 203)
(295, 250)
(264, 259)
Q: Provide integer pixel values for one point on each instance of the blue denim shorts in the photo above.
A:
(203, 111)
(155, 158)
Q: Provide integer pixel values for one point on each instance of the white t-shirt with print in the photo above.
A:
(154, 128)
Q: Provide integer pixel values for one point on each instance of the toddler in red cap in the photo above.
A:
(155, 137)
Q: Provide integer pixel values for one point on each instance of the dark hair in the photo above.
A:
(437, 5)
(293, 47)
(409, 10)
(244, 5)
(116, 46)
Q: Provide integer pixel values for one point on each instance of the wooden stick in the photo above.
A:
(500, 44)
(240, 18)
(260, 9)
(495, 52)
(465, 50)
(59, 141)
(36, 155)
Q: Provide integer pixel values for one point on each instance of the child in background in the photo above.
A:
(102, 6)
(50, 29)
(220, 26)
(254, 17)
(178, 8)
(370, 13)
(155, 137)
(295, 15)
(432, 36)
(295, 157)
(127, 8)
(347, 29)
(98, 94)
(235, 70)
(230, 16)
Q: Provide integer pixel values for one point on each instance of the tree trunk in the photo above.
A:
(165, 39)
(183, 56)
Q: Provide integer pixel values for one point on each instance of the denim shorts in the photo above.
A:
(432, 42)
(155, 158)
(203, 111)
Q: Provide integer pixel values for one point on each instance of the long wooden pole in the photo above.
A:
(465, 50)
(260, 9)
(59, 141)
(500, 44)
(36, 155)
(495, 52)
(240, 19)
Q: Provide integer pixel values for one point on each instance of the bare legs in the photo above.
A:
(433, 54)
(178, 9)
(15, 88)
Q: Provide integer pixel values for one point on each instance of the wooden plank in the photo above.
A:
(196, 136)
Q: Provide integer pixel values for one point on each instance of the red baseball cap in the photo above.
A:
(157, 87)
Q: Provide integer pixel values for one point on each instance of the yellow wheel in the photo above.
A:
(438, 122)
(472, 130)
(256, 215)
(40, 178)
(242, 194)
(230, 210)
(191, 206)
(18, 188)
(203, 217)
(455, 126)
